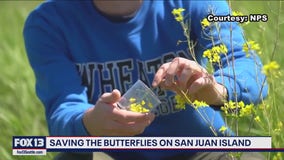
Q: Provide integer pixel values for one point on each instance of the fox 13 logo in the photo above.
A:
(29, 142)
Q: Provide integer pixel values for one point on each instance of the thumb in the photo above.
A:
(111, 97)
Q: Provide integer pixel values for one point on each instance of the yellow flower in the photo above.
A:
(143, 103)
(178, 14)
(223, 49)
(257, 119)
(213, 54)
(135, 107)
(230, 105)
(210, 55)
(247, 110)
(132, 100)
(198, 104)
(223, 129)
(180, 102)
(177, 11)
(216, 50)
(270, 68)
(205, 23)
(216, 58)
(237, 13)
(237, 109)
(241, 104)
(229, 108)
(251, 45)
(150, 105)
(278, 156)
(207, 53)
(278, 127)
(224, 109)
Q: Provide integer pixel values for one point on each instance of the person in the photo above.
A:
(86, 54)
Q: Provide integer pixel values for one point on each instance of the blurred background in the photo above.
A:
(22, 114)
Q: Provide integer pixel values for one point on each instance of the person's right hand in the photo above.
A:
(106, 119)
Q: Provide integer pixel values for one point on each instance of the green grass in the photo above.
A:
(23, 114)
(270, 37)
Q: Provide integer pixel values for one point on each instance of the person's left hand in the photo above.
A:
(188, 76)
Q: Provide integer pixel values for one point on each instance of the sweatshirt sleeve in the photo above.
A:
(58, 84)
(241, 75)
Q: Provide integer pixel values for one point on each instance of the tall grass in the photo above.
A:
(21, 113)
(270, 37)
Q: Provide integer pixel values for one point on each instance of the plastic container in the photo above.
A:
(139, 98)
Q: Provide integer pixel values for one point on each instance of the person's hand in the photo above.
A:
(183, 75)
(106, 119)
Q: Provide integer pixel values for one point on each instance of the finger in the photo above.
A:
(110, 98)
(184, 77)
(124, 116)
(119, 129)
(173, 70)
(160, 74)
(172, 87)
(198, 84)
(190, 73)
(129, 128)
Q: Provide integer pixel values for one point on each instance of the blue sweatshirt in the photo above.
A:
(77, 54)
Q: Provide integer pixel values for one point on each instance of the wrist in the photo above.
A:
(87, 121)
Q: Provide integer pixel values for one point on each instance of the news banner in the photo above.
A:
(40, 145)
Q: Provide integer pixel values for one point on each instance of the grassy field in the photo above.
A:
(22, 113)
